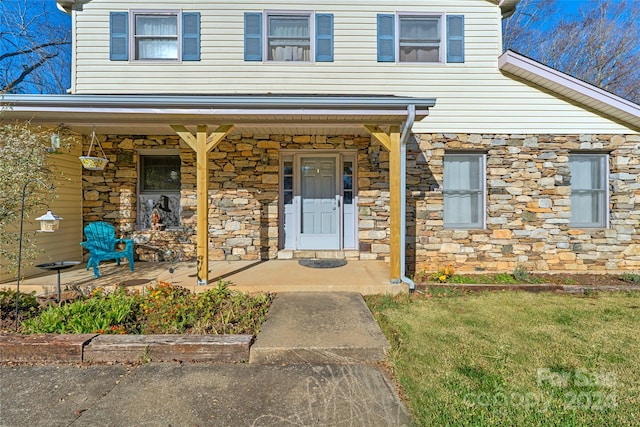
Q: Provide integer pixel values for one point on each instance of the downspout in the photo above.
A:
(406, 131)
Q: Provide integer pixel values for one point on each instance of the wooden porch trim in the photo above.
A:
(391, 142)
(202, 144)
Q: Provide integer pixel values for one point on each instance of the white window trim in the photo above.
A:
(606, 215)
(483, 190)
(265, 35)
(443, 36)
(132, 33)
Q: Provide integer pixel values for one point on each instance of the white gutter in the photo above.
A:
(406, 131)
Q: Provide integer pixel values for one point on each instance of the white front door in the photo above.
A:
(319, 203)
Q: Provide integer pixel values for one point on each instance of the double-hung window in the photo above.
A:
(589, 190)
(420, 38)
(289, 37)
(464, 190)
(159, 189)
(281, 36)
(154, 35)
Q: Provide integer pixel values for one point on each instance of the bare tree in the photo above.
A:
(35, 54)
(599, 45)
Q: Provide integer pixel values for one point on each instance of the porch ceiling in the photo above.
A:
(256, 114)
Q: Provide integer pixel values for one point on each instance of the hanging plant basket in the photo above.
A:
(94, 163)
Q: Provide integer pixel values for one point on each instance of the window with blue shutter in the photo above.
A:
(119, 36)
(191, 36)
(324, 37)
(386, 38)
(253, 36)
(455, 38)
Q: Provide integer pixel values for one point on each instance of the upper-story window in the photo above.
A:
(152, 35)
(420, 38)
(155, 35)
(288, 37)
(279, 36)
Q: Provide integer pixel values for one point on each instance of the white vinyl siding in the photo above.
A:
(589, 190)
(464, 191)
(472, 97)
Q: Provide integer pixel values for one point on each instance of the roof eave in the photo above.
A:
(578, 91)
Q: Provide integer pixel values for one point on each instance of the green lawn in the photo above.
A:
(515, 358)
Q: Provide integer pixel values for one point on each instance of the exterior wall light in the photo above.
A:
(374, 156)
(264, 159)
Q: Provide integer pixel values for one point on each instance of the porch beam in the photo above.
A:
(186, 136)
(395, 199)
(379, 135)
(202, 143)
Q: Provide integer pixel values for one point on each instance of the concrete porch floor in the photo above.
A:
(364, 277)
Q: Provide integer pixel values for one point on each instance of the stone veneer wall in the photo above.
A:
(528, 205)
(243, 194)
(528, 200)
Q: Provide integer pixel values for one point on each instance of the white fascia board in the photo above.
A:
(211, 106)
(576, 90)
(260, 102)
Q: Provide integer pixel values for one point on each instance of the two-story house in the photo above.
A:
(394, 130)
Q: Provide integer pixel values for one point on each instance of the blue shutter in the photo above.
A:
(324, 37)
(455, 38)
(191, 36)
(386, 38)
(253, 36)
(119, 36)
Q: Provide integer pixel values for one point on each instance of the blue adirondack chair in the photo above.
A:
(101, 243)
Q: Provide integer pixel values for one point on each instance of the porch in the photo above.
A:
(364, 277)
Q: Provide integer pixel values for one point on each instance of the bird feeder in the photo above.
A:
(49, 222)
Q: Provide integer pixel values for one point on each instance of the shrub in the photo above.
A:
(28, 305)
(101, 313)
(520, 273)
(162, 309)
(631, 278)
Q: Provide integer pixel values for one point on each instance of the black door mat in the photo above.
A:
(322, 263)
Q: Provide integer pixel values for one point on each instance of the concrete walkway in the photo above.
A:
(313, 363)
(321, 327)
